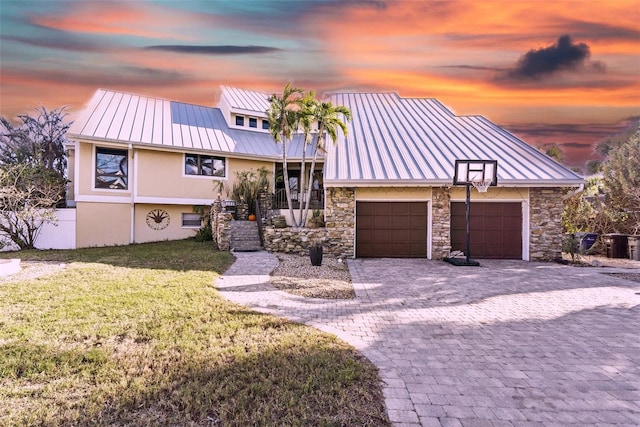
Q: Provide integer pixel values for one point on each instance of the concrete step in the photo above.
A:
(245, 236)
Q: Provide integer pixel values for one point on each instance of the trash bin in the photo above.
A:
(634, 248)
(587, 240)
(617, 246)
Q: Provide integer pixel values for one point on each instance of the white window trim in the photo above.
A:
(190, 226)
(94, 165)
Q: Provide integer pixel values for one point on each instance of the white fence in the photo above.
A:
(60, 234)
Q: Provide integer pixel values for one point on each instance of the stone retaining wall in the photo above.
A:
(298, 240)
(337, 237)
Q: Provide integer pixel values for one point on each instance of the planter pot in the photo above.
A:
(315, 253)
(279, 222)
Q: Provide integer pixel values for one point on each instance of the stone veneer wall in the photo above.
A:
(338, 236)
(295, 240)
(222, 230)
(545, 222)
(441, 220)
(340, 220)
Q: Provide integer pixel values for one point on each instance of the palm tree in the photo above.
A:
(329, 118)
(306, 118)
(283, 121)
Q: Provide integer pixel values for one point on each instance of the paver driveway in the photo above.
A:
(507, 343)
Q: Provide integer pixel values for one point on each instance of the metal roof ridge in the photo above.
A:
(157, 98)
(244, 90)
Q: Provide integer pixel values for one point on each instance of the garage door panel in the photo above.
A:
(495, 228)
(512, 223)
(399, 229)
(367, 221)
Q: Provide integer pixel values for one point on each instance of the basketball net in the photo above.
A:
(482, 185)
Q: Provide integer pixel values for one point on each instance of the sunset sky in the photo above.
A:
(565, 72)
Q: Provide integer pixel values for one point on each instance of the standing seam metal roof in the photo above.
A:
(246, 99)
(125, 118)
(391, 140)
(416, 140)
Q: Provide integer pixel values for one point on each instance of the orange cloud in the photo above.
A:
(118, 18)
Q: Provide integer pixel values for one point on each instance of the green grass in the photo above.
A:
(138, 335)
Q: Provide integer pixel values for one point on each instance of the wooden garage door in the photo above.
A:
(391, 229)
(496, 229)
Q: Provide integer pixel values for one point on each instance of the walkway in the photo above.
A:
(509, 343)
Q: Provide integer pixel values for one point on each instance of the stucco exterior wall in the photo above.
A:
(102, 224)
(158, 174)
(493, 193)
(546, 206)
(71, 154)
(393, 193)
(85, 172)
(173, 183)
(174, 231)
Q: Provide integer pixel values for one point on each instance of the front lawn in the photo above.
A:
(138, 335)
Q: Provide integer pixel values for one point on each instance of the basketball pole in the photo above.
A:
(468, 216)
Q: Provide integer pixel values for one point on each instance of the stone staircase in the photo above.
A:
(245, 236)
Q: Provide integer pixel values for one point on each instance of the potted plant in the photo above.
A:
(315, 253)
(316, 220)
(246, 189)
(279, 221)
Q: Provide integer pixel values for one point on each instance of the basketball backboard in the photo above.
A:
(467, 171)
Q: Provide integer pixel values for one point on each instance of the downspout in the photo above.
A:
(132, 184)
(574, 192)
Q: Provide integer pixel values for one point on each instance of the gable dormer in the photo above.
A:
(244, 109)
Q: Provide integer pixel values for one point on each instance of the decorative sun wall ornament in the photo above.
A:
(158, 219)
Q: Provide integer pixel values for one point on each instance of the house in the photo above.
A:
(141, 164)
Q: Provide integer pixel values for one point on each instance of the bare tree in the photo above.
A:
(28, 196)
(37, 140)
(33, 166)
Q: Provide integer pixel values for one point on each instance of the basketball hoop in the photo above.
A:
(482, 174)
(482, 185)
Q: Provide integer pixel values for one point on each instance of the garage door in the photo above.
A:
(391, 229)
(495, 228)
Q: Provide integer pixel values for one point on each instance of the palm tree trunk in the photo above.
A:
(287, 190)
(301, 186)
(313, 167)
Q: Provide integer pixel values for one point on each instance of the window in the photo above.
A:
(239, 120)
(265, 124)
(191, 220)
(195, 164)
(111, 168)
(253, 123)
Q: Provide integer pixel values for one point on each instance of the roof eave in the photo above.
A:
(447, 183)
(156, 147)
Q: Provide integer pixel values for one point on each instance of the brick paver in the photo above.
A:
(508, 343)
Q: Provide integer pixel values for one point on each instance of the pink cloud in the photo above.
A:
(118, 18)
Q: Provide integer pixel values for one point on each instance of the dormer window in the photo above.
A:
(239, 120)
(265, 124)
(253, 123)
